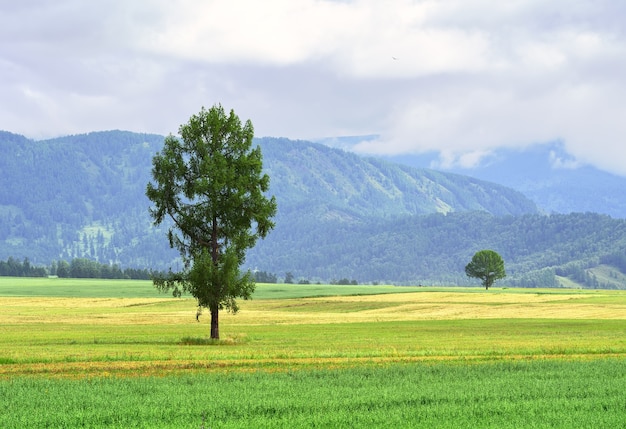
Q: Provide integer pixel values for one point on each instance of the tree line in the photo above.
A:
(14, 268)
(76, 268)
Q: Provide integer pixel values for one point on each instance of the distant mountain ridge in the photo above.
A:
(339, 215)
(548, 175)
(545, 173)
(350, 186)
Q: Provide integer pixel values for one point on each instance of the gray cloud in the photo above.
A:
(469, 75)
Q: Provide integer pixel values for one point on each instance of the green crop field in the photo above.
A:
(103, 353)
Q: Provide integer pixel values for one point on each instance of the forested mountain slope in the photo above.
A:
(434, 249)
(340, 215)
(333, 184)
(83, 195)
(549, 176)
(77, 196)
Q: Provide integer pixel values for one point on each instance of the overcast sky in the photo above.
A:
(460, 77)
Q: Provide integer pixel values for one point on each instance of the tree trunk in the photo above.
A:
(215, 326)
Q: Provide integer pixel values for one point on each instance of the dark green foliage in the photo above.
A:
(265, 277)
(85, 268)
(15, 268)
(344, 281)
(78, 268)
(211, 186)
(487, 266)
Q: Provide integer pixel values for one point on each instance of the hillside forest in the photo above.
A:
(340, 216)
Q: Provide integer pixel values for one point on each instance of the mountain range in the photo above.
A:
(340, 215)
(545, 173)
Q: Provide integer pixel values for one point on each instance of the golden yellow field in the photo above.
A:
(437, 306)
(133, 336)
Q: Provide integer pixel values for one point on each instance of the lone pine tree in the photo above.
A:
(210, 185)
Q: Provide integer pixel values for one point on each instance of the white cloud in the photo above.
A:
(469, 75)
(274, 32)
(559, 162)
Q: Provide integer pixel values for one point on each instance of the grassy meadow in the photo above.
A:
(311, 356)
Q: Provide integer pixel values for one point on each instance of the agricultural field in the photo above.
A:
(103, 353)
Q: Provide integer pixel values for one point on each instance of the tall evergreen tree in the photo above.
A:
(211, 186)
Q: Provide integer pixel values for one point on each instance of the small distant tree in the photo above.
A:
(63, 269)
(264, 277)
(211, 186)
(487, 266)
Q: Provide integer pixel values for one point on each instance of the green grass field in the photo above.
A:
(98, 353)
(555, 394)
(102, 288)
